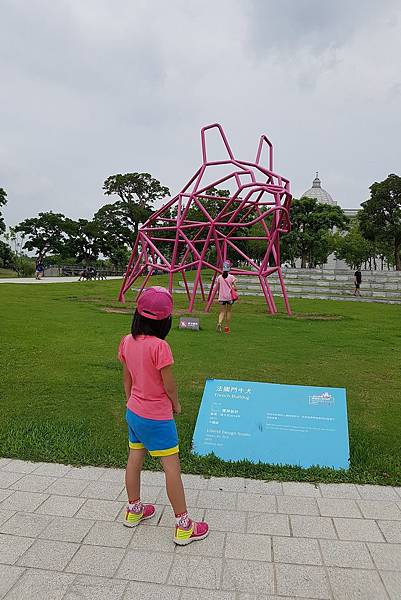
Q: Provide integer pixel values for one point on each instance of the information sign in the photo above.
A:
(272, 423)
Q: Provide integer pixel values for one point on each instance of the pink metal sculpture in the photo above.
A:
(257, 196)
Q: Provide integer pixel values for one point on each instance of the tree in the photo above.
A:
(3, 202)
(84, 240)
(45, 233)
(115, 233)
(380, 217)
(6, 256)
(137, 193)
(311, 238)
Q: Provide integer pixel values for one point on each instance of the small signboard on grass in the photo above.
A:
(271, 423)
(189, 323)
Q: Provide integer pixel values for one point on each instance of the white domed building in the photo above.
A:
(323, 197)
(318, 193)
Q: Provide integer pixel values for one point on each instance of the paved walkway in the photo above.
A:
(46, 280)
(61, 537)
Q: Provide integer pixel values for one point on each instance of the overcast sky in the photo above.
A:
(90, 88)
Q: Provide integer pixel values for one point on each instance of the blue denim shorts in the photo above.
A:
(158, 437)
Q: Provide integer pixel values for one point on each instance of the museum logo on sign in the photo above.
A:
(325, 398)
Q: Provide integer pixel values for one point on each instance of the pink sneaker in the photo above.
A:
(195, 531)
(132, 519)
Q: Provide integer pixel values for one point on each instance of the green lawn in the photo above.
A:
(61, 396)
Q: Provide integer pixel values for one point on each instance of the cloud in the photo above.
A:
(94, 88)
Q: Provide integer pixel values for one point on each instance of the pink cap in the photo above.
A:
(155, 303)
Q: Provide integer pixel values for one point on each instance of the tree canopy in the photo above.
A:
(380, 217)
(46, 233)
(311, 238)
(3, 202)
(137, 193)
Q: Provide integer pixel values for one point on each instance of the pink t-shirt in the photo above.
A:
(144, 357)
(225, 287)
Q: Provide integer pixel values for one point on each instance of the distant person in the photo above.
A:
(152, 399)
(227, 296)
(39, 270)
(357, 281)
(84, 275)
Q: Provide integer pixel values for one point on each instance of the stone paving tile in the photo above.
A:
(168, 520)
(268, 524)
(5, 494)
(21, 466)
(398, 491)
(95, 588)
(8, 576)
(255, 486)
(48, 554)
(201, 594)
(65, 529)
(26, 524)
(391, 531)
(33, 483)
(7, 479)
(68, 487)
(100, 510)
(19, 501)
(314, 527)
(257, 503)
(5, 515)
(386, 556)
(248, 547)
(226, 520)
(227, 484)
(151, 591)
(52, 470)
(376, 509)
(213, 545)
(216, 499)
(63, 506)
(96, 559)
(12, 547)
(113, 475)
(196, 572)
(103, 490)
(113, 534)
(339, 490)
(302, 551)
(191, 497)
(149, 493)
(360, 530)
(352, 584)
(297, 580)
(392, 582)
(159, 539)
(196, 482)
(248, 576)
(294, 505)
(295, 488)
(150, 567)
(377, 492)
(40, 585)
(88, 473)
(339, 507)
(4, 462)
(346, 554)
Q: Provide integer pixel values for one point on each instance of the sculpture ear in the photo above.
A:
(266, 144)
(223, 138)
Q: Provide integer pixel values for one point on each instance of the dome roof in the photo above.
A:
(318, 193)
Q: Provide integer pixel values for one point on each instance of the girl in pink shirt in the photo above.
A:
(226, 288)
(152, 399)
